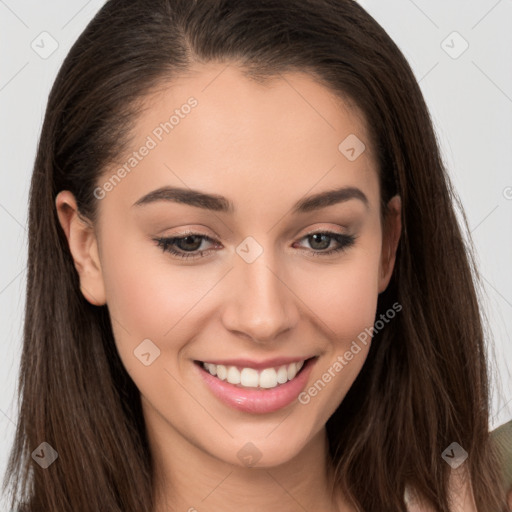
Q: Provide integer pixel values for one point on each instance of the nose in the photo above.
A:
(261, 304)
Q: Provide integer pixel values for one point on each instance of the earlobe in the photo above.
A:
(83, 247)
(391, 235)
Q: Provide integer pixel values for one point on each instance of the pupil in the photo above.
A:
(320, 235)
(190, 239)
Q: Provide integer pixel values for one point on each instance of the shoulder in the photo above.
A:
(462, 492)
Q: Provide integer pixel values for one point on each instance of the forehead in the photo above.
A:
(216, 130)
(289, 104)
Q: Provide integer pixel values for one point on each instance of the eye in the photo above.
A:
(188, 246)
(320, 241)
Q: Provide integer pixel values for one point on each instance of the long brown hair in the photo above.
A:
(424, 384)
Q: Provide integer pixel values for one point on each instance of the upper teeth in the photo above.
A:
(251, 378)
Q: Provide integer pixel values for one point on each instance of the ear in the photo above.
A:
(391, 235)
(83, 247)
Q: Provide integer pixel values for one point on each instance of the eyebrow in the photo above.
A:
(221, 204)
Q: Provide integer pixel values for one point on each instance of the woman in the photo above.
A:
(247, 286)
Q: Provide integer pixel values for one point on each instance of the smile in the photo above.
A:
(251, 378)
(260, 390)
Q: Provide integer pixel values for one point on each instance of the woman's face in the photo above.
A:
(258, 291)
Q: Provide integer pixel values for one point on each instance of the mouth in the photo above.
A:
(256, 390)
(248, 377)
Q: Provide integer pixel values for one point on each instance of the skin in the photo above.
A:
(263, 147)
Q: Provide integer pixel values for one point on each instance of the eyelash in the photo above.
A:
(166, 244)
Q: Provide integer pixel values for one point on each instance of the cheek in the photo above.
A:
(345, 302)
(146, 299)
(344, 296)
(144, 293)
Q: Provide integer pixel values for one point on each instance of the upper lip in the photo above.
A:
(258, 365)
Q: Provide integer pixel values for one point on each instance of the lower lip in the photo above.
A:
(258, 400)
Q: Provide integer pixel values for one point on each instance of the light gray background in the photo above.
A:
(470, 99)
